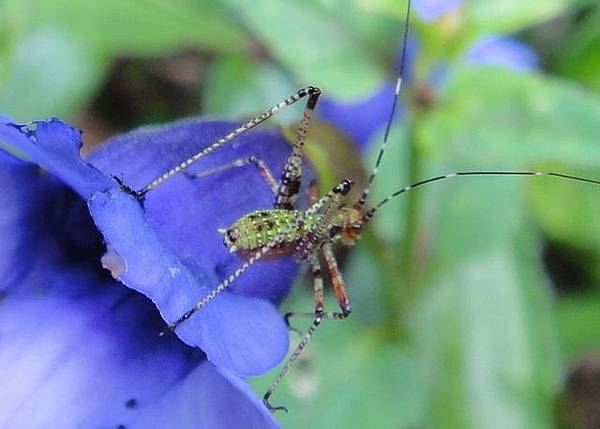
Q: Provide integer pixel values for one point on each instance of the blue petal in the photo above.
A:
(37, 210)
(79, 350)
(503, 51)
(362, 119)
(179, 227)
(54, 146)
(244, 334)
(206, 399)
(24, 196)
(92, 359)
(430, 10)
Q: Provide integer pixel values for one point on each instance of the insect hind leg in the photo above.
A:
(318, 316)
(337, 281)
(291, 178)
(311, 91)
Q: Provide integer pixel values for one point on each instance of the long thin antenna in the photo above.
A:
(371, 212)
(361, 202)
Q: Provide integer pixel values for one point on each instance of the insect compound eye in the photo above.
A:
(334, 231)
(231, 236)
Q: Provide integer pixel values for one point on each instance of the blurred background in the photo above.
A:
(476, 301)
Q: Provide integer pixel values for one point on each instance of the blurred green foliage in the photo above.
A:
(457, 321)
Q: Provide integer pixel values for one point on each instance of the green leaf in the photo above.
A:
(484, 321)
(142, 27)
(48, 74)
(513, 120)
(315, 50)
(579, 55)
(236, 87)
(393, 174)
(568, 212)
(375, 26)
(363, 275)
(485, 318)
(579, 324)
(489, 119)
(509, 16)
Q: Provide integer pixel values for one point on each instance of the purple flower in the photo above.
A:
(78, 347)
(430, 10)
(503, 51)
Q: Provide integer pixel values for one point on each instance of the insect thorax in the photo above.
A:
(256, 229)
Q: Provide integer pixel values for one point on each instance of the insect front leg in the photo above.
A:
(225, 283)
(326, 206)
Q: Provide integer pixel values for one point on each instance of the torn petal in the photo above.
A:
(54, 146)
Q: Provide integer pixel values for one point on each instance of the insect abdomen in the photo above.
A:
(257, 229)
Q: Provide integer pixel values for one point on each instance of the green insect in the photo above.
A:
(309, 235)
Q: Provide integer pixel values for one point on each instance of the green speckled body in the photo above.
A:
(256, 229)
